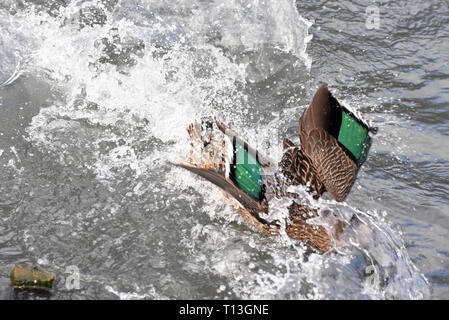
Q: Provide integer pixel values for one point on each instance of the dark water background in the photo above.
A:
(94, 99)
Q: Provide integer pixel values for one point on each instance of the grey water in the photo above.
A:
(95, 96)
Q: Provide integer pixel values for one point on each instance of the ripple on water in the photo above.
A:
(87, 183)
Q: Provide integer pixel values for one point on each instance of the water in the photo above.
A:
(94, 100)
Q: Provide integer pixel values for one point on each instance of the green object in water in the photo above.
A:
(30, 277)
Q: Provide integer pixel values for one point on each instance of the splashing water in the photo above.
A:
(124, 79)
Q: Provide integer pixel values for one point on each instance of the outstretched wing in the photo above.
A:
(336, 142)
(226, 160)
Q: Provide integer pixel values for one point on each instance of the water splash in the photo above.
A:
(129, 77)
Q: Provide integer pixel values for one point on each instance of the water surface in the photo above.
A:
(95, 96)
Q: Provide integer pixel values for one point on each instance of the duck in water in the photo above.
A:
(334, 144)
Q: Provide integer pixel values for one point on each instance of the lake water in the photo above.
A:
(95, 96)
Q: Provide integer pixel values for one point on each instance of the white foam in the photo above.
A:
(185, 73)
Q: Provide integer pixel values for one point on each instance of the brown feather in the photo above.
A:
(317, 115)
(296, 165)
(301, 229)
(334, 168)
(298, 228)
(316, 130)
(298, 169)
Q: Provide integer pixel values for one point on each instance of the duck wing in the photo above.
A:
(226, 160)
(333, 166)
(336, 141)
(219, 179)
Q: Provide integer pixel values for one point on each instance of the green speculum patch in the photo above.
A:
(354, 136)
(247, 171)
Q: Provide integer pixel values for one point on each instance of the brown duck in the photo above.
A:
(334, 144)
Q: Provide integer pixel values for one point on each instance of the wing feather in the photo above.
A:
(334, 168)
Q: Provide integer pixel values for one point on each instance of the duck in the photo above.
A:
(334, 144)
